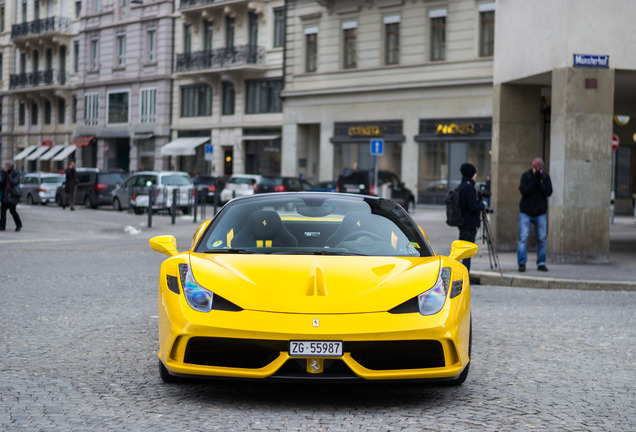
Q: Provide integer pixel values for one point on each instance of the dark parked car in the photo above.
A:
(389, 186)
(211, 184)
(94, 187)
(281, 184)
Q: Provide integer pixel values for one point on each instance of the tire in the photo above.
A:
(58, 200)
(185, 210)
(117, 205)
(88, 202)
(165, 375)
(138, 210)
(29, 199)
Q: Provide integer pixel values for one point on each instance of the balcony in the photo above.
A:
(39, 27)
(36, 79)
(192, 4)
(221, 59)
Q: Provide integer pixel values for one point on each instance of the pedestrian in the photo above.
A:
(471, 206)
(70, 188)
(10, 192)
(535, 188)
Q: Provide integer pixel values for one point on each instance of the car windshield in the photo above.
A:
(242, 180)
(55, 179)
(111, 178)
(314, 224)
(176, 180)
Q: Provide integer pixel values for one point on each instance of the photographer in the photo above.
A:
(535, 188)
(471, 206)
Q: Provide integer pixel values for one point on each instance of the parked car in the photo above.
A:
(211, 184)
(94, 187)
(239, 185)
(325, 186)
(389, 186)
(281, 184)
(40, 187)
(134, 192)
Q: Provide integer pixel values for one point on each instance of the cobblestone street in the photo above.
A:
(79, 344)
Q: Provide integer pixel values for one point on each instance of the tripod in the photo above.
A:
(487, 238)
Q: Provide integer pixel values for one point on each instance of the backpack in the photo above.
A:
(454, 213)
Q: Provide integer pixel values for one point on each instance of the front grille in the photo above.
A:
(236, 353)
(388, 355)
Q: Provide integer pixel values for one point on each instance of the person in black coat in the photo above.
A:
(10, 191)
(70, 186)
(471, 206)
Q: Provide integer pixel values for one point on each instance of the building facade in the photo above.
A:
(417, 75)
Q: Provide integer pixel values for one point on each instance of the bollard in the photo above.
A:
(204, 203)
(151, 196)
(175, 195)
(216, 196)
(195, 206)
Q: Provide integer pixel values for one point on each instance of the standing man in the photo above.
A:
(10, 192)
(70, 189)
(535, 188)
(471, 206)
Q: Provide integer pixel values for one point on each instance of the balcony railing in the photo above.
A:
(38, 27)
(185, 4)
(35, 79)
(221, 58)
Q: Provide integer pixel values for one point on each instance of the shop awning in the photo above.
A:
(52, 152)
(143, 135)
(65, 153)
(37, 153)
(259, 137)
(83, 140)
(24, 152)
(183, 146)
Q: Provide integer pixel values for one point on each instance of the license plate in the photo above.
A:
(315, 348)
(352, 188)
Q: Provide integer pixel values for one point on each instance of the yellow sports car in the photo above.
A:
(313, 286)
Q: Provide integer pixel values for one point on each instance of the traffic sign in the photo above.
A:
(377, 146)
(209, 152)
(615, 142)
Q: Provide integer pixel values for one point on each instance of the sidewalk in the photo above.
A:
(619, 274)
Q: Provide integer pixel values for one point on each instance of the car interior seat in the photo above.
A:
(264, 228)
(352, 222)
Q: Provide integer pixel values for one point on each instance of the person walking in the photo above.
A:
(70, 188)
(535, 188)
(10, 191)
(471, 206)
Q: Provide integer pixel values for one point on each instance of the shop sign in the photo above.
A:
(456, 129)
(355, 131)
(47, 143)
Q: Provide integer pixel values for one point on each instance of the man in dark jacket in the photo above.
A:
(70, 188)
(471, 206)
(10, 192)
(535, 188)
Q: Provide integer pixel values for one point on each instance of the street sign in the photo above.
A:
(209, 152)
(377, 147)
(615, 142)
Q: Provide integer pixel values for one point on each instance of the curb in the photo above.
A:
(495, 278)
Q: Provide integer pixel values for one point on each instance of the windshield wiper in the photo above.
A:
(318, 252)
(230, 251)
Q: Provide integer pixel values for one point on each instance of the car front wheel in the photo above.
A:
(29, 199)
(88, 202)
(117, 205)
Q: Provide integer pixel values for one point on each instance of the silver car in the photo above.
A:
(40, 187)
(134, 192)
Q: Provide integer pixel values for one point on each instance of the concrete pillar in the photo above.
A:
(580, 164)
(410, 154)
(516, 140)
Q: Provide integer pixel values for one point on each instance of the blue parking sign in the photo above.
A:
(377, 146)
(209, 152)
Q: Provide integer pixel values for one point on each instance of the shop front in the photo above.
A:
(352, 145)
(444, 145)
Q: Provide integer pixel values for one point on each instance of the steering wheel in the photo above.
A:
(359, 234)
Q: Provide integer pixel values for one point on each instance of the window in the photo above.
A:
(350, 41)
(152, 44)
(74, 109)
(2, 18)
(487, 30)
(95, 5)
(118, 103)
(21, 113)
(228, 98)
(121, 49)
(61, 110)
(24, 11)
(91, 102)
(148, 105)
(263, 96)
(438, 34)
(311, 49)
(78, 8)
(187, 38)
(252, 33)
(1, 66)
(207, 35)
(392, 40)
(229, 32)
(34, 113)
(196, 101)
(94, 54)
(47, 111)
(279, 27)
(76, 55)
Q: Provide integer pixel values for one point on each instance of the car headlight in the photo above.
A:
(431, 301)
(199, 298)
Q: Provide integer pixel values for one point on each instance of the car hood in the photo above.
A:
(314, 284)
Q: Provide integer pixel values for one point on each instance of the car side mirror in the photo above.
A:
(461, 249)
(166, 244)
